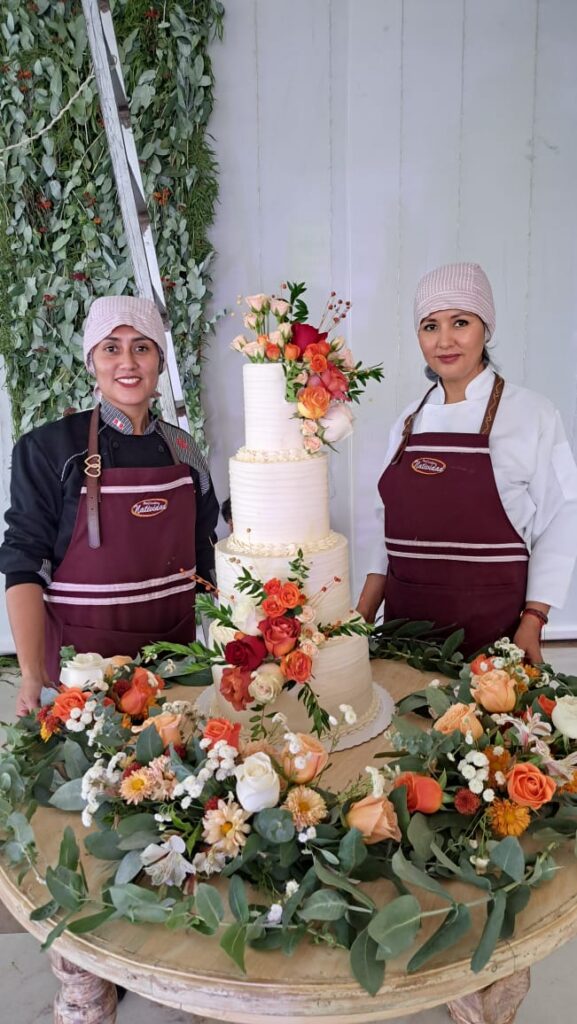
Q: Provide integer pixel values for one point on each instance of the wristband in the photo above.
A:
(543, 619)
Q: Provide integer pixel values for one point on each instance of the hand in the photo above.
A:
(28, 696)
(372, 596)
(528, 638)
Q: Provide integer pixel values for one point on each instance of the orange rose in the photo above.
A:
(481, 664)
(280, 635)
(291, 352)
(141, 692)
(423, 793)
(313, 402)
(67, 701)
(316, 348)
(546, 704)
(313, 754)
(272, 352)
(297, 666)
(318, 363)
(221, 729)
(528, 787)
(273, 606)
(375, 818)
(273, 586)
(461, 717)
(167, 726)
(234, 686)
(494, 690)
(290, 595)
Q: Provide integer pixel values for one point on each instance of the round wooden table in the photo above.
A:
(191, 972)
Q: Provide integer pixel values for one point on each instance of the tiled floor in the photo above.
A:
(27, 986)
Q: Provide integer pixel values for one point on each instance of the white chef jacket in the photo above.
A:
(534, 469)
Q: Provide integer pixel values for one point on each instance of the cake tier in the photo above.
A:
(341, 675)
(280, 502)
(327, 585)
(269, 420)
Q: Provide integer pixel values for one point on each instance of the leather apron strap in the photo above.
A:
(92, 472)
(408, 428)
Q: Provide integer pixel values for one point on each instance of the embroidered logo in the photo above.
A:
(428, 466)
(146, 508)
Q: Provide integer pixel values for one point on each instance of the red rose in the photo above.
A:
(280, 635)
(304, 335)
(546, 704)
(234, 686)
(247, 652)
(466, 802)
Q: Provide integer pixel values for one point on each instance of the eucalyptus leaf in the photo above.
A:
(233, 942)
(368, 971)
(237, 899)
(455, 925)
(68, 797)
(408, 873)
(324, 905)
(209, 905)
(491, 931)
(395, 927)
(509, 857)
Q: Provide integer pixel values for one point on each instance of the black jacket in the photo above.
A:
(47, 476)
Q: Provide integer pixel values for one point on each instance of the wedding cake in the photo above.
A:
(280, 507)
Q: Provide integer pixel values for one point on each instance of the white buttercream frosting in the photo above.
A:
(280, 502)
(237, 546)
(270, 422)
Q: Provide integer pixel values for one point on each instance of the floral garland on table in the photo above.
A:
(178, 802)
(321, 375)
(266, 641)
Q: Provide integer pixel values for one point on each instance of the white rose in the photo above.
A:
(253, 349)
(239, 343)
(564, 716)
(337, 423)
(249, 320)
(219, 634)
(267, 683)
(337, 343)
(276, 338)
(257, 783)
(258, 303)
(307, 647)
(307, 613)
(286, 330)
(245, 616)
(279, 307)
(83, 670)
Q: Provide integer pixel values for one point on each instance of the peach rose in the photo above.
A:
(311, 752)
(313, 402)
(118, 661)
(375, 818)
(494, 690)
(312, 444)
(167, 726)
(258, 303)
(290, 595)
(529, 787)
(221, 729)
(67, 701)
(424, 794)
(279, 307)
(461, 717)
(291, 352)
(297, 665)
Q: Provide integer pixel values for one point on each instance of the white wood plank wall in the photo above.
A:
(362, 142)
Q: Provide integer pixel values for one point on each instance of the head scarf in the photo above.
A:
(112, 311)
(456, 286)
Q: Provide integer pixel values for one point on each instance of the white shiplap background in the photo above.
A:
(362, 142)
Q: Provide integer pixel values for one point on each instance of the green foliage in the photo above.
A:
(419, 645)
(61, 235)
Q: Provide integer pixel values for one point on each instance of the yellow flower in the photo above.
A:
(507, 818)
(136, 787)
(225, 827)
(307, 807)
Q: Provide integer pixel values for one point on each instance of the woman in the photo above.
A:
(112, 512)
(480, 486)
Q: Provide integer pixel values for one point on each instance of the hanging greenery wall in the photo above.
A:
(61, 235)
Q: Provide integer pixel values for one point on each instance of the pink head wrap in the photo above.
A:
(111, 311)
(456, 286)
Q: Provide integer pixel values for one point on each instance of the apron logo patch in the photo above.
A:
(428, 466)
(146, 508)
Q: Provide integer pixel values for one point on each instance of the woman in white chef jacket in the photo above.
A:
(479, 488)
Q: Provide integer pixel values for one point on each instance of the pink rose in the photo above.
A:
(279, 307)
(312, 444)
(258, 303)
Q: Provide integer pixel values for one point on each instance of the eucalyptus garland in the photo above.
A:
(61, 235)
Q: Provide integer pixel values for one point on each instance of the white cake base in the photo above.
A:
(210, 705)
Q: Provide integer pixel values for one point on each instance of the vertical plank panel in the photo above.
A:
(498, 114)
(372, 170)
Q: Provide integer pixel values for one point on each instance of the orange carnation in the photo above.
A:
(221, 729)
(291, 352)
(529, 787)
(297, 666)
(423, 793)
(67, 701)
(313, 402)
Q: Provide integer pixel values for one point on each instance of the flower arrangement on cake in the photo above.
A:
(267, 640)
(177, 803)
(321, 375)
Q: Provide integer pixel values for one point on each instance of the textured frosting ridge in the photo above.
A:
(269, 420)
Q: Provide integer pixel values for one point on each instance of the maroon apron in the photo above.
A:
(133, 584)
(454, 556)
